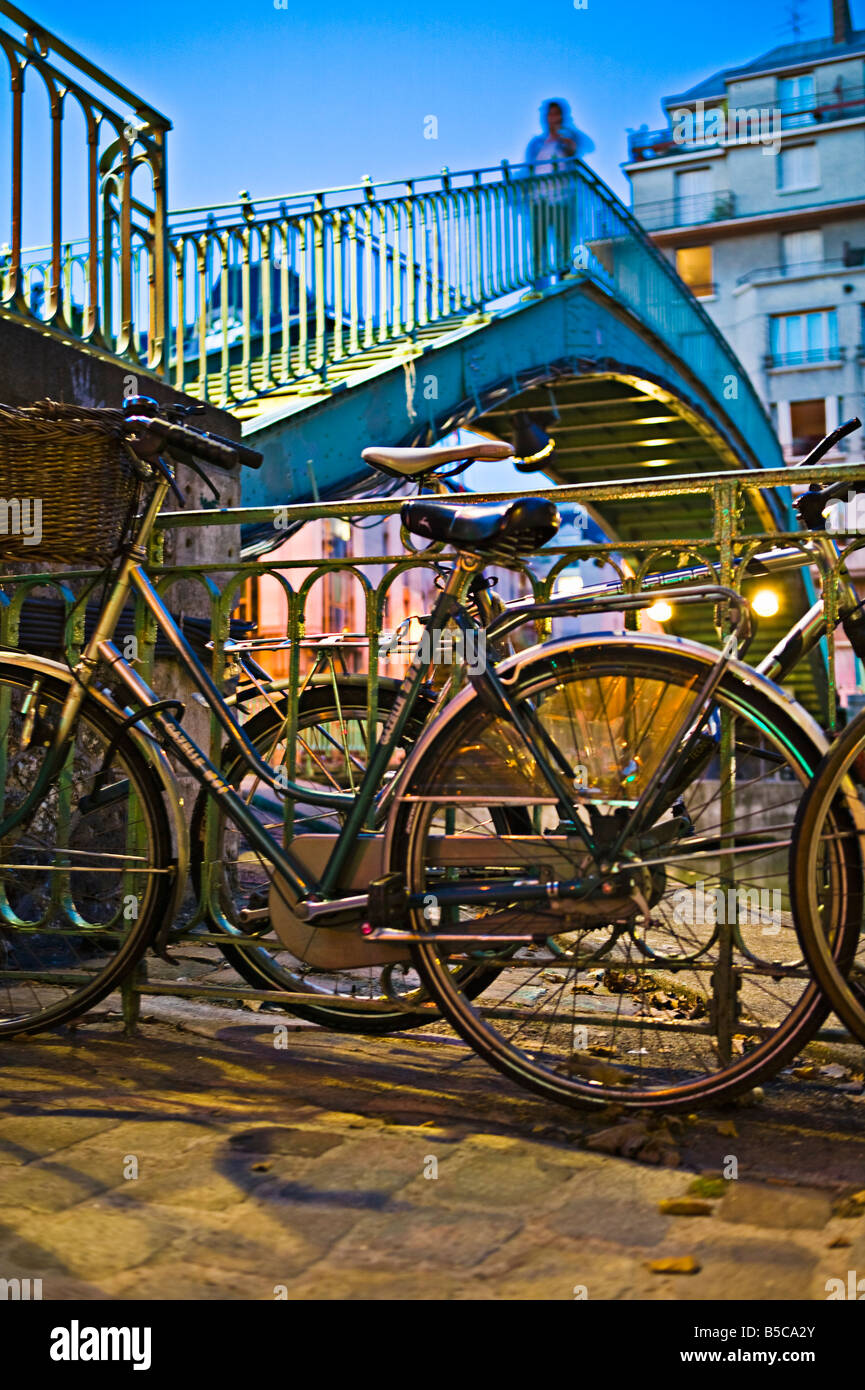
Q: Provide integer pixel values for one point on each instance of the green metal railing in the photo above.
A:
(107, 165)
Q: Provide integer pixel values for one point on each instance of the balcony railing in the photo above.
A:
(700, 208)
(704, 289)
(689, 210)
(855, 259)
(742, 124)
(808, 357)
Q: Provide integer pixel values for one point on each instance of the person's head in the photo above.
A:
(555, 113)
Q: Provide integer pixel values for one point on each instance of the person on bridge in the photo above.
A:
(551, 200)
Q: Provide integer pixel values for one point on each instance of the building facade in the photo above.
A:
(755, 190)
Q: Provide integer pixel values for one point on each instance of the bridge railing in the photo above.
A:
(97, 157)
(268, 294)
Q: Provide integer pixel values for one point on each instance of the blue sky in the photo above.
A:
(281, 100)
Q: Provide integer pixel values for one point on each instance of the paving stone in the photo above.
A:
(616, 1202)
(94, 1239)
(186, 1281)
(540, 1263)
(339, 1280)
(778, 1208)
(26, 1137)
(500, 1179)
(271, 1253)
(48, 1187)
(196, 1187)
(758, 1269)
(364, 1172)
(425, 1238)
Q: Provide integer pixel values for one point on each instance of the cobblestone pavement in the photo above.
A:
(198, 1160)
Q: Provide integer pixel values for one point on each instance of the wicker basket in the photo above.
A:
(69, 488)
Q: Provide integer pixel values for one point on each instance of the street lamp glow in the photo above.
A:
(765, 603)
(660, 611)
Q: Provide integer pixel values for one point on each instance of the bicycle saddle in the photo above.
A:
(510, 527)
(410, 463)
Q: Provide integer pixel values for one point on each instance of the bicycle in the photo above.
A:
(495, 861)
(330, 732)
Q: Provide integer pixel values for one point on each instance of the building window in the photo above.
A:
(796, 99)
(797, 168)
(694, 198)
(802, 249)
(796, 340)
(694, 266)
(807, 425)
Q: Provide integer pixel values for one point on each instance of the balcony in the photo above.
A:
(703, 290)
(691, 210)
(701, 208)
(839, 104)
(854, 259)
(807, 357)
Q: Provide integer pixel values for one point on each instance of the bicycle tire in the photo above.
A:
(836, 786)
(435, 767)
(71, 940)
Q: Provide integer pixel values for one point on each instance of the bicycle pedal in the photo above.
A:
(387, 905)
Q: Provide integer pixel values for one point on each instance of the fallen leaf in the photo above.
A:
(707, 1187)
(839, 1243)
(834, 1071)
(675, 1264)
(727, 1129)
(851, 1206)
(684, 1206)
(595, 1069)
(636, 1139)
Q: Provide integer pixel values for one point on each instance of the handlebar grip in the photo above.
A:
(246, 457)
(225, 453)
(830, 441)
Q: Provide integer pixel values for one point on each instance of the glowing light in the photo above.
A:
(660, 611)
(569, 584)
(415, 631)
(765, 602)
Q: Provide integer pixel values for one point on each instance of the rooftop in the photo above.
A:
(787, 55)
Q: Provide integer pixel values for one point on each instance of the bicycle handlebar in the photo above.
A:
(830, 441)
(143, 418)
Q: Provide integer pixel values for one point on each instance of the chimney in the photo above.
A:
(842, 28)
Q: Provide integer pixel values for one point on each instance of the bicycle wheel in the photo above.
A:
(677, 978)
(331, 754)
(826, 874)
(83, 883)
